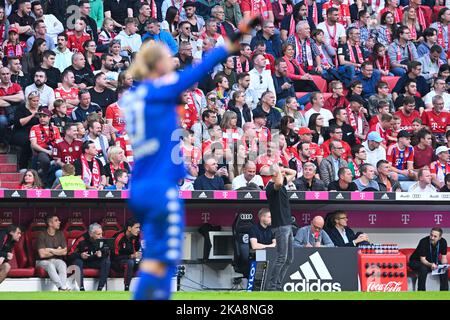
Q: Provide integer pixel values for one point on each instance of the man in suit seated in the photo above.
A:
(341, 234)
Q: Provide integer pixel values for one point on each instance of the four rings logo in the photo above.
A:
(246, 216)
(312, 277)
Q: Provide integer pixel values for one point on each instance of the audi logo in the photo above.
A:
(416, 196)
(246, 216)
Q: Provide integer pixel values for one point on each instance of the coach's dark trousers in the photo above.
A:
(422, 271)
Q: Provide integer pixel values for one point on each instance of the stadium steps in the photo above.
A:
(9, 178)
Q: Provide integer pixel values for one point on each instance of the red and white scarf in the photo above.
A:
(299, 51)
(352, 121)
(441, 40)
(154, 9)
(333, 39)
(190, 112)
(323, 58)
(259, 7)
(388, 34)
(356, 168)
(383, 63)
(413, 31)
(315, 16)
(399, 53)
(90, 177)
(180, 7)
(352, 54)
(421, 18)
(288, 10)
(111, 167)
(239, 68)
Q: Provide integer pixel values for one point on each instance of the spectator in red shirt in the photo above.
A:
(30, 180)
(306, 135)
(68, 91)
(69, 148)
(336, 135)
(423, 151)
(382, 108)
(77, 36)
(382, 127)
(408, 113)
(263, 8)
(115, 117)
(43, 139)
(337, 99)
(441, 167)
(401, 158)
(436, 120)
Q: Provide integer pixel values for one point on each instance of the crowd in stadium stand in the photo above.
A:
(353, 95)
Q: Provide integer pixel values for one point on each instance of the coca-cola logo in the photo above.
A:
(392, 286)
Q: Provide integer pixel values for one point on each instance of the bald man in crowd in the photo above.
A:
(313, 235)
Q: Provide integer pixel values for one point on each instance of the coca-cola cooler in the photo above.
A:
(383, 272)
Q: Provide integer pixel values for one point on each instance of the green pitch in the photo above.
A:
(208, 295)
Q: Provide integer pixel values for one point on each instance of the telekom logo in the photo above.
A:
(406, 218)
(86, 194)
(205, 217)
(362, 195)
(38, 193)
(316, 195)
(372, 218)
(438, 218)
(306, 218)
(225, 195)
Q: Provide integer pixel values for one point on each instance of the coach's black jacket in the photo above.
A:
(82, 244)
(6, 244)
(124, 247)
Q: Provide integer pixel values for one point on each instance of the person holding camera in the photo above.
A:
(87, 253)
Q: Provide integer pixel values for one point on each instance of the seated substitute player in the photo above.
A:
(162, 214)
(261, 235)
(127, 251)
(85, 252)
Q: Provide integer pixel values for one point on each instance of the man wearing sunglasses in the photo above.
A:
(313, 235)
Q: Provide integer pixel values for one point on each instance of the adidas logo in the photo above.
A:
(15, 194)
(340, 196)
(109, 195)
(248, 195)
(203, 195)
(385, 197)
(313, 276)
(294, 196)
(62, 194)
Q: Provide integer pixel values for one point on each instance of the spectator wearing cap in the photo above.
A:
(306, 135)
(40, 32)
(155, 33)
(47, 95)
(437, 120)
(330, 165)
(441, 167)
(344, 183)
(63, 57)
(23, 20)
(375, 152)
(317, 103)
(248, 176)
(369, 78)
(12, 46)
(85, 107)
(385, 177)
(130, 41)
(423, 151)
(439, 89)
(367, 178)
(309, 181)
(424, 183)
(401, 157)
(43, 139)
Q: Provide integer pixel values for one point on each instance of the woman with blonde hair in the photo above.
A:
(411, 20)
(116, 160)
(151, 121)
(291, 109)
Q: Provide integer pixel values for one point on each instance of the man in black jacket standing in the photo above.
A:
(341, 234)
(8, 239)
(85, 253)
(280, 209)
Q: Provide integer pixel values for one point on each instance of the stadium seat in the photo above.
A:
(391, 81)
(74, 228)
(321, 83)
(19, 262)
(241, 245)
(110, 226)
(436, 10)
(428, 14)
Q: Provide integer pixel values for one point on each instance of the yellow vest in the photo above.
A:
(72, 183)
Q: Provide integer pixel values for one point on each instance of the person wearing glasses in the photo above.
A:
(336, 135)
(185, 35)
(313, 235)
(402, 51)
(329, 167)
(340, 233)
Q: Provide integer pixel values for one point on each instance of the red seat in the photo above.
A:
(391, 81)
(427, 13)
(19, 263)
(74, 228)
(436, 10)
(110, 226)
(321, 83)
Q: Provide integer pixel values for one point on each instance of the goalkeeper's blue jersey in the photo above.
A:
(151, 123)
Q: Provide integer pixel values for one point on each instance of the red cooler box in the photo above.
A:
(383, 272)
